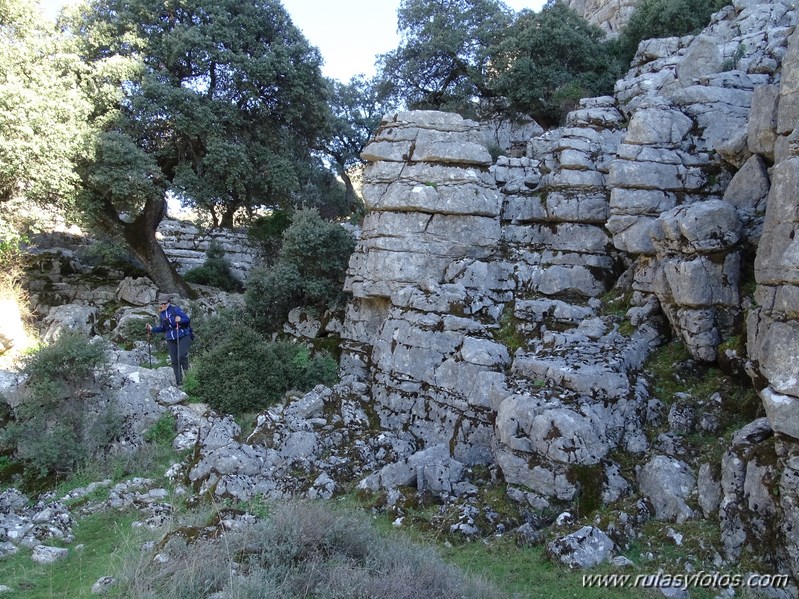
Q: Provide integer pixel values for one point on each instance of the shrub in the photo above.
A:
(163, 431)
(241, 371)
(215, 327)
(549, 59)
(309, 271)
(130, 330)
(215, 271)
(302, 549)
(268, 232)
(54, 429)
(271, 294)
(665, 18)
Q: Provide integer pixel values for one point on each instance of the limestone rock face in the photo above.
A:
(772, 329)
(609, 15)
(668, 483)
(449, 244)
(475, 320)
(185, 246)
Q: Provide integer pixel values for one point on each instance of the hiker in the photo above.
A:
(175, 324)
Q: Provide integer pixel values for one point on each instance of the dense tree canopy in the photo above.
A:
(43, 111)
(357, 109)
(444, 53)
(478, 58)
(548, 60)
(228, 99)
(219, 102)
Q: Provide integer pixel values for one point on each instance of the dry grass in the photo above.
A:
(301, 549)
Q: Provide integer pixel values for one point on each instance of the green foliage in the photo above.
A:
(215, 271)
(103, 536)
(312, 370)
(237, 92)
(665, 18)
(548, 60)
(238, 370)
(516, 571)
(267, 229)
(43, 109)
(672, 371)
(309, 271)
(444, 57)
(321, 190)
(53, 429)
(131, 330)
(358, 108)
(163, 431)
(217, 326)
(732, 62)
(300, 549)
(62, 369)
(508, 333)
(268, 232)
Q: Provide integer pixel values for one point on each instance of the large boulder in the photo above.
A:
(586, 548)
(668, 483)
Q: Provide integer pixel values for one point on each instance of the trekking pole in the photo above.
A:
(177, 340)
(150, 348)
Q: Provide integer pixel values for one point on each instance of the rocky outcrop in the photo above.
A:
(185, 245)
(476, 319)
(609, 15)
(479, 335)
(773, 332)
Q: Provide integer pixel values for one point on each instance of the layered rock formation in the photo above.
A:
(186, 246)
(476, 317)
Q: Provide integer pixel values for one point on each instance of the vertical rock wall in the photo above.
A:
(185, 245)
(681, 178)
(609, 15)
(773, 323)
(431, 204)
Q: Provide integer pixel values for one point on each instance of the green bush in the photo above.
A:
(302, 549)
(215, 271)
(268, 232)
(309, 271)
(665, 18)
(317, 369)
(53, 429)
(130, 330)
(271, 294)
(163, 431)
(549, 60)
(236, 369)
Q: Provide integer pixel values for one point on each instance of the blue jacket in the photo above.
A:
(167, 323)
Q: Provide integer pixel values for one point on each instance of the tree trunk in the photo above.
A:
(146, 248)
(226, 222)
(349, 191)
(140, 238)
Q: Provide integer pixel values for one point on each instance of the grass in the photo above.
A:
(105, 538)
(527, 572)
(508, 333)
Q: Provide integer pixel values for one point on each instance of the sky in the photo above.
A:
(348, 33)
